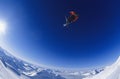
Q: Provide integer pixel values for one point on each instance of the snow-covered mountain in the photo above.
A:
(6, 73)
(110, 72)
(14, 68)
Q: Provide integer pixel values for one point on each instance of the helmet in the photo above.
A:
(72, 12)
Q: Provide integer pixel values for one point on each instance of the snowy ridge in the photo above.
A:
(16, 68)
(110, 72)
(7, 74)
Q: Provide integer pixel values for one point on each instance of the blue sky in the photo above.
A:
(35, 31)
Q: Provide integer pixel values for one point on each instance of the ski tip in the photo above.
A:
(64, 25)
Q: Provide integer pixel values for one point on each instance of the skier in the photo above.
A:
(72, 18)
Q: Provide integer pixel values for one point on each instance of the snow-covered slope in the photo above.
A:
(79, 74)
(6, 73)
(110, 72)
(14, 68)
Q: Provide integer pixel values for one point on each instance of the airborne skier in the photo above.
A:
(72, 18)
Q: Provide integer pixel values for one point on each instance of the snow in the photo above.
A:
(75, 73)
(14, 68)
(86, 74)
(6, 73)
(110, 72)
(33, 73)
